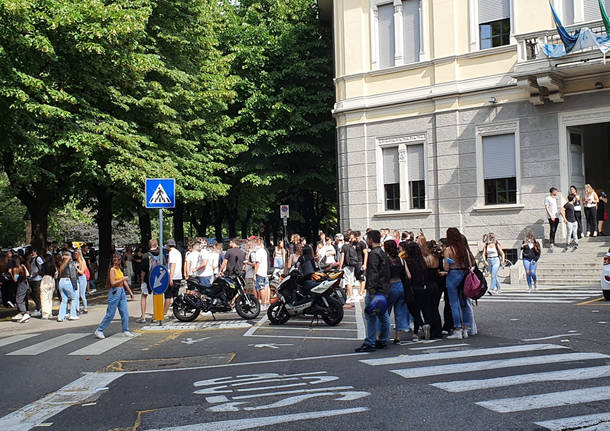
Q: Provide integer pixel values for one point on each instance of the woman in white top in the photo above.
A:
(577, 209)
(493, 255)
(591, 201)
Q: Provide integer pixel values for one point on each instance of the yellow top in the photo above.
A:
(118, 275)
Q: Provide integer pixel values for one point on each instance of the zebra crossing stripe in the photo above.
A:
(499, 382)
(47, 345)
(404, 359)
(542, 401)
(537, 301)
(15, 339)
(102, 346)
(411, 373)
(597, 422)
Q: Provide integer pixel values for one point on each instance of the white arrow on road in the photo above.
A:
(270, 345)
(191, 341)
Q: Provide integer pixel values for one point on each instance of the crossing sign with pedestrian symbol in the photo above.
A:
(160, 193)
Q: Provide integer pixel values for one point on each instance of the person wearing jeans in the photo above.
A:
(531, 255)
(550, 206)
(567, 212)
(81, 267)
(493, 256)
(116, 299)
(68, 286)
(457, 261)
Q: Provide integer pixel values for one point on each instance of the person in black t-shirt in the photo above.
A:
(233, 262)
(362, 249)
(569, 217)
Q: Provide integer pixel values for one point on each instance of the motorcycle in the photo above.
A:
(292, 301)
(217, 298)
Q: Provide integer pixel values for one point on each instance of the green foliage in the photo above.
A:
(12, 214)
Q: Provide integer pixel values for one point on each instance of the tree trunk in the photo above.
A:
(39, 214)
(145, 227)
(245, 224)
(218, 218)
(232, 222)
(179, 222)
(104, 226)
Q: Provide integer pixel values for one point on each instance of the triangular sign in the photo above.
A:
(159, 196)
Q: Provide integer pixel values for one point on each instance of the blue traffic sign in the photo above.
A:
(160, 193)
(159, 279)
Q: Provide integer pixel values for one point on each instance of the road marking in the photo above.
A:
(550, 337)
(31, 415)
(182, 326)
(253, 329)
(191, 341)
(15, 339)
(248, 423)
(403, 359)
(537, 301)
(360, 322)
(499, 382)
(102, 346)
(303, 337)
(577, 422)
(542, 401)
(301, 328)
(591, 301)
(47, 345)
(270, 345)
(411, 373)
(544, 294)
(438, 347)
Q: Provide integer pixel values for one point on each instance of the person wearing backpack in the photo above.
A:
(348, 262)
(457, 263)
(150, 259)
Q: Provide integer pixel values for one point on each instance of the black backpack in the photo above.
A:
(351, 259)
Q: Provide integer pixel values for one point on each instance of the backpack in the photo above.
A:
(153, 261)
(475, 285)
(351, 259)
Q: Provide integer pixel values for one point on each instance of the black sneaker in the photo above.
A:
(365, 348)
(380, 345)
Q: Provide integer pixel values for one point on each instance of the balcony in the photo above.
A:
(545, 77)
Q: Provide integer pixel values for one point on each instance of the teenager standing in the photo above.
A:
(68, 286)
(550, 205)
(567, 212)
(457, 262)
(399, 275)
(591, 201)
(531, 256)
(577, 209)
(20, 274)
(494, 257)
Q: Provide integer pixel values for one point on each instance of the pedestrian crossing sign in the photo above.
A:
(160, 193)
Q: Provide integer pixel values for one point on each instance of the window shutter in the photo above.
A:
(591, 10)
(493, 10)
(385, 14)
(415, 162)
(410, 16)
(391, 171)
(499, 156)
(568, 12)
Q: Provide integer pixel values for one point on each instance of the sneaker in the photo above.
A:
(415, 339)
(426, 329)
(59, 320)
(37, 313)
(24, 318)
(17, 316)
(420, 333)
(85, 311)
(365, 348)
(99, 334)
(73, 318)
(380, 345)
(443, 332)
(128, 334)
(457, 335)
(465, 333)
(92, 291)
(141, 320)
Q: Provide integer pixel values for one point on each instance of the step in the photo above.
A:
(542, 272)
(560, 265)
(568, 282)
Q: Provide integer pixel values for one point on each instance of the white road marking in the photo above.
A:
(102, 346)
(578, 422)
(302, 328)
(15, 339)
(550, 337)
(438, 347)
(360, 322)
(31, 415)
(219, 324)
(410, 373)
(253, 329)
(47, 345)
(537, 301)
(191, 341)
(553, 399)
(303, 337)
(499, 382)
(249, 423)
(403, 359)
(296, 391)
(269, 345)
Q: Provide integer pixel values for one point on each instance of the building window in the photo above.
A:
(500, 170)
(391, 178)
(591, 10)
(418, 194)
(568, 12)
(411, 30)
(387, 45)
(494, 23)
(511, 254)
(415, 176)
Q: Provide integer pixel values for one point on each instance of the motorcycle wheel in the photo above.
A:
(335, 312)
(182, 311)
(277, 313)
(246, 311)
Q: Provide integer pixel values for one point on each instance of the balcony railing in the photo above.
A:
(529, 44)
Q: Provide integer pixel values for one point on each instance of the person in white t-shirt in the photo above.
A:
(326, 254)
(261, 264)
(193, 260)
(175, 274)
(249, 266)
(552, 214)
(205, 272)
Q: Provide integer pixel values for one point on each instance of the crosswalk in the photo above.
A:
(36, 347)
(590, 370)
(542, 296)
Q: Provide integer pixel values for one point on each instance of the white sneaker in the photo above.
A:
(17, 316)
(465, 333)
(457, 335)
(350, 300)
(93, 291)
(24, 318)
(128, 334)
(99, 334)
(37, 313)
(73, 318)
(60, 320)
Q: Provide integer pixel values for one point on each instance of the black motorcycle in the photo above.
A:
(293, 300)
(217, 298)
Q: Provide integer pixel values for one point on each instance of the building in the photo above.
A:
(449, 114)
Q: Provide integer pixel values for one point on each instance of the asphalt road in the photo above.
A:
(533, 362)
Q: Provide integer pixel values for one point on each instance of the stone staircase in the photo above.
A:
(581, 267)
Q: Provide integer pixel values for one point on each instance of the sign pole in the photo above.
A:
(158, 299)
(161, 236)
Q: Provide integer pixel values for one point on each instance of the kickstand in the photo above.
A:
(316, 318)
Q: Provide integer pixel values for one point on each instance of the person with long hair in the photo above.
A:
(531, 255)
(447, 314)
(279, 256)
(421, 308)
(117, 298)
(399, 275)
(20, 275)
(591, 201)
(494, 257)
(457, 262)
(81, 269)
(47, 286)
(68, 286)
(577, 209)
(433, 260)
